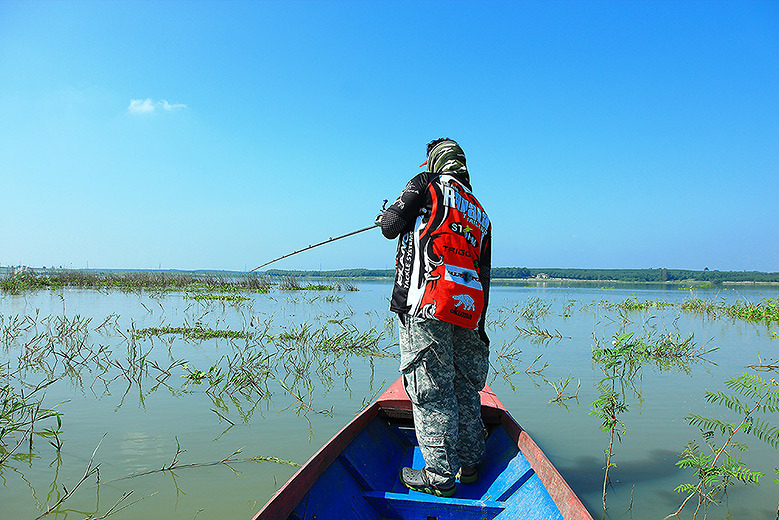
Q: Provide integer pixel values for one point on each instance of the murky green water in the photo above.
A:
(114, 393)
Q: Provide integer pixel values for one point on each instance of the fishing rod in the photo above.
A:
(331, 239)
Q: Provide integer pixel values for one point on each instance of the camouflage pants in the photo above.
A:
(444, 367)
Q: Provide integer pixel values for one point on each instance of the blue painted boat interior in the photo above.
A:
(364, 482)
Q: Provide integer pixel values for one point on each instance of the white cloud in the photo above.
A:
(147, 106)
(141, 106)
(167, 106)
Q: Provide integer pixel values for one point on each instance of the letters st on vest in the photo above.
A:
(450, 241)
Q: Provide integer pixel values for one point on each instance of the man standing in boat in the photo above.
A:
(442, 277)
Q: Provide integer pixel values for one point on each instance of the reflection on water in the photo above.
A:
(202, 402)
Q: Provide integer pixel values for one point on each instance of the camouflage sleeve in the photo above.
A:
(402, 214)
(485, 265)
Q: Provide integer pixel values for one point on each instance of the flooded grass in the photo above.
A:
(632, 304)
(292, 283)
(537, 333)
(260, 357)
(23, 416)
(218, 297)
(29, 280)
(666, 351)
(200, 333)
(766, 310)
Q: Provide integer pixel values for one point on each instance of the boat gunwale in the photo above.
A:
(284, 501)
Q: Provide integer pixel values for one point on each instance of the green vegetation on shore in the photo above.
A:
(639, 275)
(20, 279)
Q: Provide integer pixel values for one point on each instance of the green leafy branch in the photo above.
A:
(720, 469)
(608, 407)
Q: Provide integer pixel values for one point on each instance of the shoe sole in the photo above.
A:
(433, 491)
(446, 493)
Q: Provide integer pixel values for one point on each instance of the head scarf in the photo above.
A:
(446, 157)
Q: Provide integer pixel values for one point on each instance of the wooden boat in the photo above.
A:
(356, 474)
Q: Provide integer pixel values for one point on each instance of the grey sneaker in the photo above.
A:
(416, 479)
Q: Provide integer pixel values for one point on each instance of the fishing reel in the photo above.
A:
(377, 220)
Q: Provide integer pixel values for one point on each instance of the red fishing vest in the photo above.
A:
(449, 244)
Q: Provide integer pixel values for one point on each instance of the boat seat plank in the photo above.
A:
(421, 506)
(335, 495)
(406, 433)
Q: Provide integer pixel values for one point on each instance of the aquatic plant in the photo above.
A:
(666, 351)
(618, 366)
(536, 371)
(292, 283)
(505, 359)
(621, 362)
(12, 327)
(30, 279)
(566, 313)
(632, 304)
(345, 285)
(535, 308)
(608, 407)
(247, 371)
(765, 367)
(539, 334)
(497, 319)
(23, 413)
(304, 403)
(196, 332)
(90, 470)
(217, 297)
(721, 468)
(25, 280)
(197, 376)
(701, 306)
(559, 388)
(767, 310)
(531, 310)
(351, 339)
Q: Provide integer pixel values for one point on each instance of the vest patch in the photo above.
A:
(465, 301)
(465, 232)
(474, 213)
(462, 276)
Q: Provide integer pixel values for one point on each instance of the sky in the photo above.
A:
(223, 134)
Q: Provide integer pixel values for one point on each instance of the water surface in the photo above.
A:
(139, 417)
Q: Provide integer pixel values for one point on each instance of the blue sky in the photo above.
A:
(220, 135)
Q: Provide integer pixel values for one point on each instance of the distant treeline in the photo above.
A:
(620, 275)
(638, 275)
(508, 273)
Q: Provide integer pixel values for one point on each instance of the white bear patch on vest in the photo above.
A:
(465, 301)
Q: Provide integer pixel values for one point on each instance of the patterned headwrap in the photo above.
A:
(446, 156)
